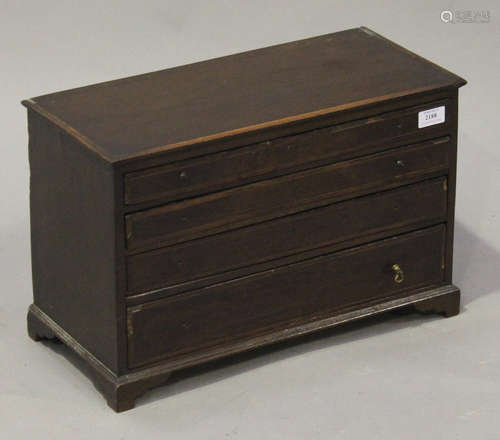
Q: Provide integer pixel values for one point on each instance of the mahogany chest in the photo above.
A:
(191, 213)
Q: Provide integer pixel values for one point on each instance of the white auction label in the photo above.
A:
(431, 117)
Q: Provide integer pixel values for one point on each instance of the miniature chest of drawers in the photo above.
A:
(195, 212)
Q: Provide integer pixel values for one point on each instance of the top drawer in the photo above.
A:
(279, 156)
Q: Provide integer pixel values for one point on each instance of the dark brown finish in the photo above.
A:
(224, 210)
(283, 297)
(246, 91)
(72, 238)
(122, 392)
(276, 157)
(409, 207)
(446, 305)
(195, 212)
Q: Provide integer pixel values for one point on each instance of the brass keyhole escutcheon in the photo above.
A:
(399, 275)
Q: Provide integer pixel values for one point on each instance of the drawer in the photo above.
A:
(409, 207)
(277, 298)
(278, 156)
(261, 201)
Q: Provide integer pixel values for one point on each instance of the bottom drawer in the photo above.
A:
(274, 299)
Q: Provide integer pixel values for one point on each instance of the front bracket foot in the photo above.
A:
(447, 305)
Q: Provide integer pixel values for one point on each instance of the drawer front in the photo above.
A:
(409, 207)
(258, 202)
(274, 299)
(277, 157)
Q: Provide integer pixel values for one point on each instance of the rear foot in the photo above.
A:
(37, 330)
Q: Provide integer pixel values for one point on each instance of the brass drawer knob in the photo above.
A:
(399, 275)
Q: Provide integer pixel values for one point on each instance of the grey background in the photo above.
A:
(407, 377)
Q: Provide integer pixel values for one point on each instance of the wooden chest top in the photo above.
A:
(237, 94)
